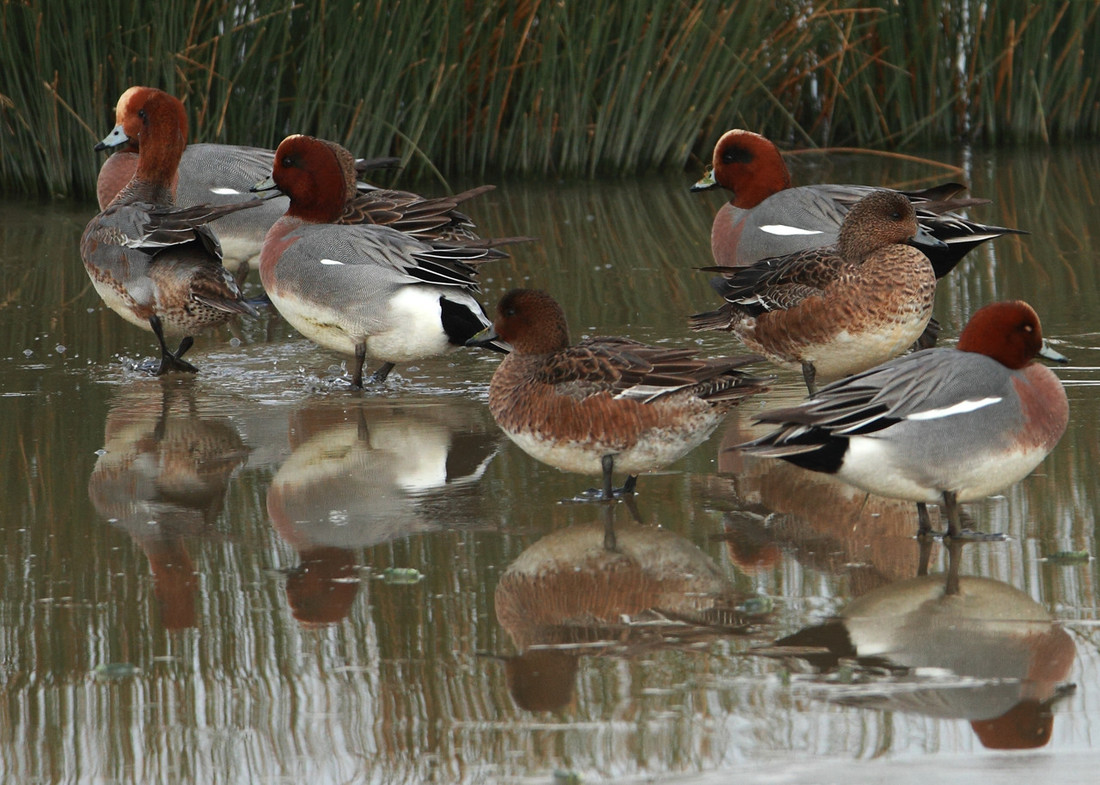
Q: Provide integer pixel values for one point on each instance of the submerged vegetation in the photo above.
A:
(534, 87)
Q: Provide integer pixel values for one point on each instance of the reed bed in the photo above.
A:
(544, 88)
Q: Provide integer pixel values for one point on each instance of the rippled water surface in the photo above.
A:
(257, 575)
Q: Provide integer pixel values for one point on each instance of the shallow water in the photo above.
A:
(256, 575)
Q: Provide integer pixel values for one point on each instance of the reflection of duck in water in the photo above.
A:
(162, 477)
(365, 475)
(569, 594)
(1004, 656)
(770, 508)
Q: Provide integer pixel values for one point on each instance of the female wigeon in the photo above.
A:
(358, 288)
(207, 174)
(768, 217)
(606, 403)
(835, 310)
(156, 265)
(950, 425)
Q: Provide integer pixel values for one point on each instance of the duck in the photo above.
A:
(208, 174)
(333, 195)
(768, 217)
(942, 425)
(157, 265)
(836, 310)
(366, 288)
(605, 404)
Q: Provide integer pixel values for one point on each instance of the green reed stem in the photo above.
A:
(540, 88)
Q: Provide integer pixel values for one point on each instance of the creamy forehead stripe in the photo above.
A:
(331, 261)
(959, 408)
(787, 231)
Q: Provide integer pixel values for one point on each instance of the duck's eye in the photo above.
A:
(736, 155)
(141, 113)
(288, 160)
(509, 311)
(896, 215)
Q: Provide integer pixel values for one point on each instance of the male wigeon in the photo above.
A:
(207, 174)
(362, 288)
(329, 194)
(768, 217)
(940, 425)
(156, 265)
(835, 310)
(607, 403)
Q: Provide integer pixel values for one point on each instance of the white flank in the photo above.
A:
(408, 325)
(787, 231)
(331, 261)
(226, 191)
(959, 408)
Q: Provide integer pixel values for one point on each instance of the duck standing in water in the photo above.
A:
(835, 310)
(208, 174)
(767, 217)
(156, 265)
(936, 426)
(349, 283)
(606, 403)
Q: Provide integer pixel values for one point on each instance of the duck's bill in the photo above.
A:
(116, 138)
(488, 339)
(266, 184)
(1049, 354)
(706, 182)
(925, 240)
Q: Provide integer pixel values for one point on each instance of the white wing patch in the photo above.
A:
(332, 261)
(226, 191)
(787, 231)
(959, 408)
(644, 392)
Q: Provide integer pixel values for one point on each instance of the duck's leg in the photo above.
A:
(380, 375)
(955, 531)
(242, 273)
(928, 338)
(924, 523)
(809, 374)
(607, 492)
(357, 369)
(951, 512)
(186, 343)
(169, 360)
(607, 462)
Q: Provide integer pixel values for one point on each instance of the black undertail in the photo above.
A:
(827, 458)
(459, 322)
